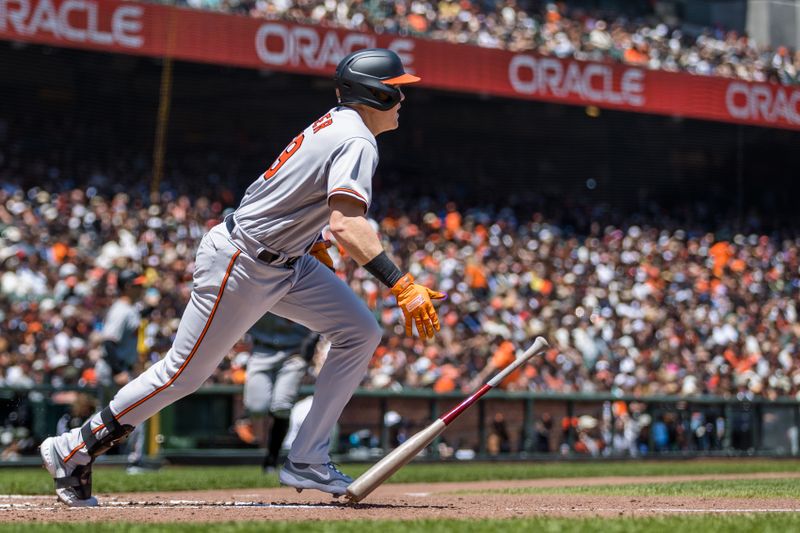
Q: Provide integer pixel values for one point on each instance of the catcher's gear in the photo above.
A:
(320, 251)
(369, 77)
(415, 301)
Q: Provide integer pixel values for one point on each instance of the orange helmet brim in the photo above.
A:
(402, 79)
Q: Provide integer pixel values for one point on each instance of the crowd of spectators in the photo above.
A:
(637, 310)
(60, 254)
(553, 29)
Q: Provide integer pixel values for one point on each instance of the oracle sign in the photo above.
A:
(299, 46)
(159, 30)
(77, 21)
(590, 82)
(763, 102)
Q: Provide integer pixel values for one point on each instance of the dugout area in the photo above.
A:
(82, 111)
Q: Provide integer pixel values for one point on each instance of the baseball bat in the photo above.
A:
(403, 454)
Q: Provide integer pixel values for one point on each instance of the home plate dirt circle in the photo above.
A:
(394, 501)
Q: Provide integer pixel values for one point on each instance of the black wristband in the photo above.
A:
(382, 268)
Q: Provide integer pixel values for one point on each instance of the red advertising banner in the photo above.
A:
(192, 35)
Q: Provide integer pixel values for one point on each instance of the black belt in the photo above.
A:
(267, 257)
(270, 348)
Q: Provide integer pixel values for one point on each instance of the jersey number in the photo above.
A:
(284, 157)
(323, 122)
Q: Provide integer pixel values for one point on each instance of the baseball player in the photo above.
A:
(121, 332)
(258, 260)
(120, 350)
(278, 361)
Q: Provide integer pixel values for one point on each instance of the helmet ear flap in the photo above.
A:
(386, 99)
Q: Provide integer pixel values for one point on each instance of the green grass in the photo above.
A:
(734, 488)
(114, 479)
(765, 523)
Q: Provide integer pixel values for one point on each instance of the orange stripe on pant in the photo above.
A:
(183, 366)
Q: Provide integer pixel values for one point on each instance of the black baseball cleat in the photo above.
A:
(325, 477)
(73, 484)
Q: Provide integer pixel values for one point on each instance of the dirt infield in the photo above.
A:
(396, 502)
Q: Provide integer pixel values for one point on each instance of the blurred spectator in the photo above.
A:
(498, 440)
(504, 355)
(542, 433)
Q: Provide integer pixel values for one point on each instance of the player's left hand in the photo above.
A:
(320, 251)
(415, 301)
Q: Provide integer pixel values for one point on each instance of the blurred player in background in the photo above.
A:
(280, 356)
(121, 360)
(121, 332)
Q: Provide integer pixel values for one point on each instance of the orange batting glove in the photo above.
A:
(415, 301)
(320, 251)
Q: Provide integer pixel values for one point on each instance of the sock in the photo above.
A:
(280, 427)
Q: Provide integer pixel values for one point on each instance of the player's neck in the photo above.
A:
(372, 121)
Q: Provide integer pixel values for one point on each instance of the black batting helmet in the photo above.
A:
(369, 77)
(127, 278)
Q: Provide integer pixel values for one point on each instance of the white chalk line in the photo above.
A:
(203, 503)
(171, 504)
(28, 507)
(199, 504)
(20, 506)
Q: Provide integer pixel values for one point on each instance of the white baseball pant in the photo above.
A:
(231, 292)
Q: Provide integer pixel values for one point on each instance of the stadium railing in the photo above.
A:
(198, 428)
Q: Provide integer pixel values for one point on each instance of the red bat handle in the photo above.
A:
(453, 413)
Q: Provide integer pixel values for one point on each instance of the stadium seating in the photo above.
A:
(643, 309)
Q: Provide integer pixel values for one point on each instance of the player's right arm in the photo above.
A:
(354, 232)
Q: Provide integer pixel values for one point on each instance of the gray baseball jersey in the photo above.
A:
(121, 326)
(272, 334)
(283, 212)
